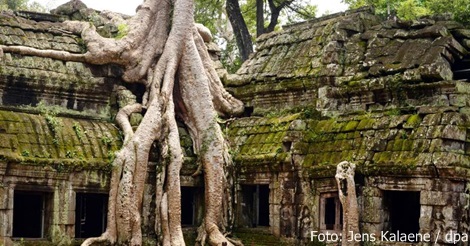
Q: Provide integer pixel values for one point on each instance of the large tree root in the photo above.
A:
(171, 60)
(347, 196)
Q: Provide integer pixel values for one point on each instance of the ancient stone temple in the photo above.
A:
(392, 97)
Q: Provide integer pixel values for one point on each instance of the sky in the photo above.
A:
(129, 6)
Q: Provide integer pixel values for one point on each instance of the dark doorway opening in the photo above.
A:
(256, 204)
(331, 212)
(188, 208)
(29, 214)
(404, 211)
(90, 214)
(263, 205)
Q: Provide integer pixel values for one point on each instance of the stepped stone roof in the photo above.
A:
(80, 137)
(391, 96)
(60, 142)
(348, 62)
(28, 80)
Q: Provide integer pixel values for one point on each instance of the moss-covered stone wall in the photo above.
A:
(354, 61)
(59, 142)
(28, 80)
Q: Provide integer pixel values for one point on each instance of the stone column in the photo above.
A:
(6, 214)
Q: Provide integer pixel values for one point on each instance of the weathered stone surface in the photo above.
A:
(382, 57)
(343, 87)
(63, 143)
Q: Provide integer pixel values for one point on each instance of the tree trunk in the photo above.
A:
(180, 81)
(259, 17)
(242, 35)
(347, 195)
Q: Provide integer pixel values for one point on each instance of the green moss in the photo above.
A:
(394, 111)
(350, 126)
(383, 157)
(365, 124)
(413, 121)
(25, 153)
(398, 144)
(78, 130)
(354, 83)
(408, 145)
(258, 236)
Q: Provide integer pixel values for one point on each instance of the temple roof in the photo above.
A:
(391, 96)
(61, 142)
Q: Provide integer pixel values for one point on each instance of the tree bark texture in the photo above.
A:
(242, 35)
(165, 51)
(259, 17)
(347, 196)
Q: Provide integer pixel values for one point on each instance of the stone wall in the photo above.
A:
(28, 80)
(353, 61)
(390, 96)
(59, 188)
(56, 138)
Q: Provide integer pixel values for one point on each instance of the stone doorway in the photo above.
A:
(90, 214)
(191, 198)
(331, 212)
(256, 204)
(403, 209)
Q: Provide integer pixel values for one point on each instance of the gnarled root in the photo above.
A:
(180, 80)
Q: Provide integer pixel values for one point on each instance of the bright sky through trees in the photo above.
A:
(129, 6)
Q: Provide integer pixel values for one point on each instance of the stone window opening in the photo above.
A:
(256, 204)
(286, 146)
(331, 212)
(248, 111)
(90, 214)
(31, 214)
(402, 210)
(461, 69)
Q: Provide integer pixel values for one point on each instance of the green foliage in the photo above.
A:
(78, 130)
(212, 15)
(53, 123)
(393, 111)
(25, 153)
(297, 11)
(22, 5)
(413, 9)
(300, 10)
(460, 9)
(106, 140)
(230, 57)
(123, 29)
(70, 154)
(111, 156)
(13, 4)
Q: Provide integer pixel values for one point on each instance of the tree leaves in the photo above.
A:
(413, 9)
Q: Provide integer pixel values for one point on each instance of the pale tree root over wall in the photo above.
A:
(164, 51)
(348, 198)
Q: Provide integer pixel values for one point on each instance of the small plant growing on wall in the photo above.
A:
(53, 122)
(78, 130)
